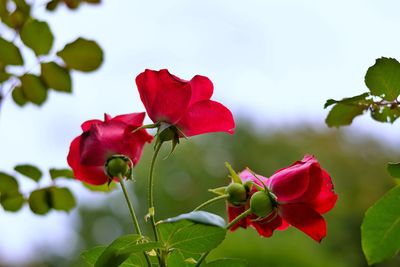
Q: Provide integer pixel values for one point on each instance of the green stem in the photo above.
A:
(133, 214)
(131, 209)
(238, 218)
(202, 258)
(151, 191)
(151, 197)
(210, 201)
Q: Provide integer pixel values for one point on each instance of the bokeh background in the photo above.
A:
(272, 63)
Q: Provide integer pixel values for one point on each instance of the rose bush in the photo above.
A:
(101, 140)
(297, 195)
(185, 105)
(300, 194)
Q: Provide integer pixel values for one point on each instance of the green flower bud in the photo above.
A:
(261, 204)
(237, 193)
(117, 165)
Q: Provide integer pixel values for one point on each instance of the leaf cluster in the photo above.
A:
(184, 240)
(380, 229)
(40, 200)
(383, 82)
(31, 84)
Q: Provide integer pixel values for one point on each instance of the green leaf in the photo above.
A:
(52, 5)
(330, 102)
(18, 96)
(57, 173)
(4, 76)
(40, 201)
(122, 248)
(91, 256)
(383, 78)
(233, 175)
(92, 1)
(56, 77)
(380, 230)
(84, 55)
(72, 4)
(385, 113)
(37, 35)
(219, 190)
(12, 202)
(101, 188)
(343, 114)
(191, 237)
(29, 171)
(8, 184)
(177, 258)
(227, 263)
(394, 169)
(23, 6)
(33, 89)
(200, 217)
(358, 100)
(61, 198)
(9, 53)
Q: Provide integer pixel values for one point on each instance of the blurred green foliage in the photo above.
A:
(357, 167)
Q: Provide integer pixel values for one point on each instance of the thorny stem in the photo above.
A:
(128, 201)
(151, 194)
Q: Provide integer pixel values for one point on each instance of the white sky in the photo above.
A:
(275, 62)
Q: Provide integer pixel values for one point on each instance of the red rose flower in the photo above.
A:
(183, 104)
(100, 140)
(301, 193)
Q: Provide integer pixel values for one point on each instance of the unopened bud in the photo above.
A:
(237, 193)
(117, 165)
(261, 204)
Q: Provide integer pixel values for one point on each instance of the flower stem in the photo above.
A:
(133, 214)
(151, 191)
(238, 218)
(202, 258)
(210, 201)
(151, 199)
(131, 209)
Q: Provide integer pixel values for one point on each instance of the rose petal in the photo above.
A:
(90, 174)
(205, 117)
(233, 212)
(134, 143)
(104, 140)
(246, 175)
(283, 226)
(87, 124)
(101, 142)
(304, 218)
(164, 97)
(300, 180)
(266, 226)
(147, 83)
(327, 198)
(202, 89)
(134, 119)
(107, 117)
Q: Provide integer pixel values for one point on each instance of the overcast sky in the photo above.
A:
(272, 62)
